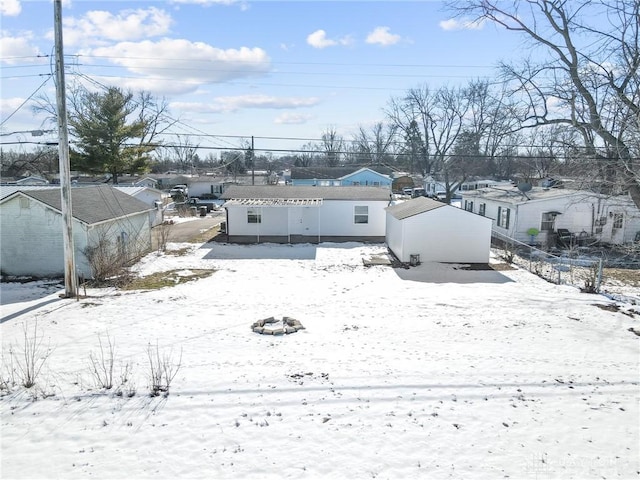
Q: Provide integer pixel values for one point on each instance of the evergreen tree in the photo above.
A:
(106, 139)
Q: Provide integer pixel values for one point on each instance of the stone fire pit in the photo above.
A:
(274, 326)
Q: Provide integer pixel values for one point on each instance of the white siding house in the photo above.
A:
(587, 216)
(437, 232)
(292, 214)
(31, 228)
(152, 197)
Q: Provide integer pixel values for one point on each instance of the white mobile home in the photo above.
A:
(586, 216)
(289, 214)
(437, 232)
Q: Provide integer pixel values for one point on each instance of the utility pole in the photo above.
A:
(70, 277)
(253, 162)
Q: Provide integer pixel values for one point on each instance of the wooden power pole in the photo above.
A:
(70, 277)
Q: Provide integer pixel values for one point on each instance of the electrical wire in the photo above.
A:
(25, 101)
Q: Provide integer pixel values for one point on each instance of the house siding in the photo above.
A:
(366, 178)
(444, 234)
(333, 220)
(24, 233)
(32, 238)
(584, 214)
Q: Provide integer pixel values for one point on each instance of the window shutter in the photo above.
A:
(499, 216)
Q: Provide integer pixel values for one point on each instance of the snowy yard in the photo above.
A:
(431, 372)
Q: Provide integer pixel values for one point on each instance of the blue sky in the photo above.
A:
(267, 69)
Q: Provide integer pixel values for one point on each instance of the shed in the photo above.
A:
(290, 214)
(31, 229)
(437, 232)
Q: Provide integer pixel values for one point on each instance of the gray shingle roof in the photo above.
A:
(92, 204)
(412, 207)
(287, 192)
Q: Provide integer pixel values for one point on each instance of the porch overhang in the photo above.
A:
(273, 202)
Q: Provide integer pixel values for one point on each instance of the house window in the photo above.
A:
(503, 217)
(361, 214)
(617, 220)
(24, 203)
(546, 225)
(254, 216)
(482, 209)
(468, 206)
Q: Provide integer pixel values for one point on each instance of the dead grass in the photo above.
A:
(170, 278)
(206, 236)
(623, 276)
(179, 252)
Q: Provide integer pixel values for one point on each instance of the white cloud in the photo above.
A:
(100, 26)
(183, 60)
(382, 36)
(454, 24)
(289, 118)
(318, 39)
(19, 46)
(232, 104)
(10, 8)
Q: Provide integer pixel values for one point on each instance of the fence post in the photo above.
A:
(599, 277)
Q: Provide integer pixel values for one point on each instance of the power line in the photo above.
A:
(25, 101)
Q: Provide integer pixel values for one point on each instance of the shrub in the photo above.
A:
(29, 358)
(162, 370)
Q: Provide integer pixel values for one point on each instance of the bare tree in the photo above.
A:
(412, 117)
(375, 146)
(306, 157)
(182, 152)
(446, 129)
(332, 145)
(588, 79)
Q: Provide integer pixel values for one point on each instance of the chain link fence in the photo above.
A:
(573, 266)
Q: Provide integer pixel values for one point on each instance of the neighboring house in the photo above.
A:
(152, 197)
(147, 182)
(436, 232)
(589, 217)
(433, 187)
(288, 214)
(341, 176)
(31, 180)
(31, 228)
(208, 187)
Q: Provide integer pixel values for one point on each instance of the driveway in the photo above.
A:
(186, 231)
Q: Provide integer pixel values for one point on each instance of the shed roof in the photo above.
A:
(412, 207)
(91, 204)
(305, 192)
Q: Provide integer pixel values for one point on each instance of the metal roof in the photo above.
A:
(273, 202)
(264, 192)
(415, 206)
(515, 196)
(91, 204)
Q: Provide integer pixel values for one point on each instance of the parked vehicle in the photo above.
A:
(179, 191)
(196, 202)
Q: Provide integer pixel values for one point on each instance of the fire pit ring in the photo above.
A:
(274, 326)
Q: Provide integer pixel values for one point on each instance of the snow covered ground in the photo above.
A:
(431, 372)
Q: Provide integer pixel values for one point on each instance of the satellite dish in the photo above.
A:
(524, 187)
